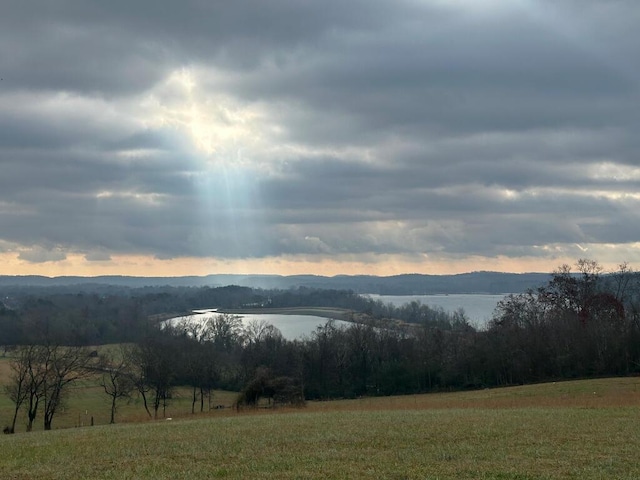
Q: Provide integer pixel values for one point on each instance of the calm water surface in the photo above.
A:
(478, 308)
(291, 326)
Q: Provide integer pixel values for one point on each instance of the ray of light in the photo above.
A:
(225, 137)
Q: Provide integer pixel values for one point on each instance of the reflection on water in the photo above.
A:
(478, 308)
(291, 326)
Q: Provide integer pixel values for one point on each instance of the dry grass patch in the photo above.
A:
(598, 393)
(5, 370)
(86, 403)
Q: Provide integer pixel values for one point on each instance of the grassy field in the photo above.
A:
(87, 401)
(584, 430)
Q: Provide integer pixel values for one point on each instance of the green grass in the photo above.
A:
(588, 429)
(584, 430)
(521, 443)
(87, 400)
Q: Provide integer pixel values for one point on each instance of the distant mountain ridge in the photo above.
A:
(406, 284)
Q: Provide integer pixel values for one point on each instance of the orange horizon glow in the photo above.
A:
(386, 265)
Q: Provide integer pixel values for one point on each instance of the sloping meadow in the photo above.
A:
(586, 429)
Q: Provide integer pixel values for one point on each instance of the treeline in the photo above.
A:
(224, 353)
(575, 326)
(89, 318)
(48, 339)
(579, 324)
(404, 284)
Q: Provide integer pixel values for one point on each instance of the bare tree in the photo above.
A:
(18, 388)
(41, 375)
(65, 366)
(255, 331)
(225, 331)
(621, 280)
(117, 380)
(199, 360)
(155, 364)
(35, 361)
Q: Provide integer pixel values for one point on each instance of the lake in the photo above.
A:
(478, 308)
(291, 326)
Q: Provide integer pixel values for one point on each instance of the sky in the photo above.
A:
(361, 137)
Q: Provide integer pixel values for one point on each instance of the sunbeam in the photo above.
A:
(223, 172)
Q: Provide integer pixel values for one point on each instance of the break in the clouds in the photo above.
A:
(422, 130)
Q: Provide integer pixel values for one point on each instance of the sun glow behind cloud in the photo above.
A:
(226, 139)
(222, 130)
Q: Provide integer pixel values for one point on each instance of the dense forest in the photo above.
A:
(578, 324)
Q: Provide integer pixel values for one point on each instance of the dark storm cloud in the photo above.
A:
(121, 47)
(448, 75)
(439, 128)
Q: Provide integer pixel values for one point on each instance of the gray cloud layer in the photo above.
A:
(253, 129)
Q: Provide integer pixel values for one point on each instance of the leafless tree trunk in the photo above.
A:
(117, 380)
(18, 389)
(41, 375)
(66, 365)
